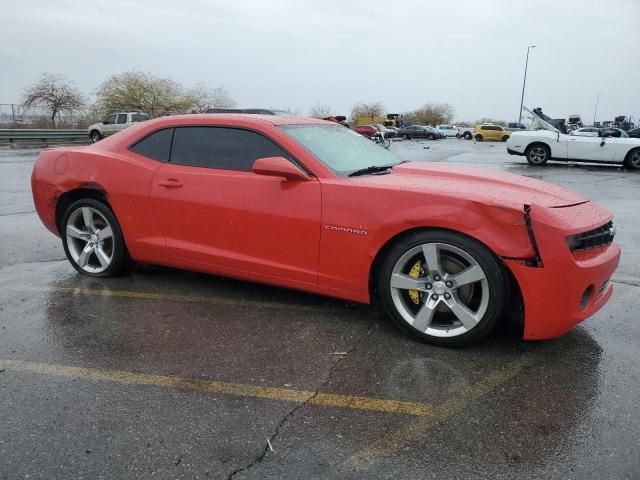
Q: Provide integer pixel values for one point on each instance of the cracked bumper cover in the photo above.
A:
(554, 293)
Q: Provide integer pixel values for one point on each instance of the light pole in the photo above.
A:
(524, 82)
(595, 110)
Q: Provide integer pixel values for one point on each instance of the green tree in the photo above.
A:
(367, 110)
(142, 91)
(431, 114)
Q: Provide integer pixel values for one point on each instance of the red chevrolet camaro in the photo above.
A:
(311, 205)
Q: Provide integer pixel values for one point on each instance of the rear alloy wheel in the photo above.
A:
(467, 136)
(443, 288)
(479, 138)
(537, 155)
(405, 136)
(431, 137)
(633, 159)
(92, 239)
(95, 136)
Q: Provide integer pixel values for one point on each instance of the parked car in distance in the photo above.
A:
(586, 132)
(310, 205)
(465, 132)
(114, 123)
(448, 130)
(516, 126)
(366, 130)
(548, 142)
(388, 132)
(420, 131)
(488, 131)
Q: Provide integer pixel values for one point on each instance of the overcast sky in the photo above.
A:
(295, 54)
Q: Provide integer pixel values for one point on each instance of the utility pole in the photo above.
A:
(595, 110)
(524, 82)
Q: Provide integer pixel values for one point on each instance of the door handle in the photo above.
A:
(170, 183)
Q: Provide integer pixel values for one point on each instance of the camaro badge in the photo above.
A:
(346, 229)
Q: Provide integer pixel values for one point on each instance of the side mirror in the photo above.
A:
(278, 167)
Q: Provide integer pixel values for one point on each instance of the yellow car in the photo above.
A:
(489, 131)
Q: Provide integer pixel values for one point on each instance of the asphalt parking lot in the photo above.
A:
(172, 374)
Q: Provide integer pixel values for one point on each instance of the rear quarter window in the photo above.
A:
(156, 146)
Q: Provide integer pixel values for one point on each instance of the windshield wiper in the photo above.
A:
(374, 169)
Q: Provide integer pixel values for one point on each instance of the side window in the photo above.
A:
(485, 128)
(220, 147)
(122, 118)
(155, 146)
(139, 117)
(111, 119)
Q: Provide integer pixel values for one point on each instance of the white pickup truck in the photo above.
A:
(114, 123)
(548, 140)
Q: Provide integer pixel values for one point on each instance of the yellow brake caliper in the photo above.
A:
(415, 272)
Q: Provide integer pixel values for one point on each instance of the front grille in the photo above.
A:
(597, 237)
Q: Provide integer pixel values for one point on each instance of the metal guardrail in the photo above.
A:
(12, 136)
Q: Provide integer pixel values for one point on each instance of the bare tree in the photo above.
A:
(54, 93)
(204, 98)
(142, 91)
(320, 110)
(370, 111)
(431, 114)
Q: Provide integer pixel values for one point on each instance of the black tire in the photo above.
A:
(537, 154)
(467, 135)
(496, 287)
(479, 138)
(120, 261)
(505, 138)
(431, 137)
(95, 136)
(632, 160)
(405, 136)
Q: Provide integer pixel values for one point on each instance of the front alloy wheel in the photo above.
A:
(443, 287)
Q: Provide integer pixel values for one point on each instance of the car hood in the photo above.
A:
(487, 186)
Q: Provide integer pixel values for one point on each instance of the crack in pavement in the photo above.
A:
(292, 412)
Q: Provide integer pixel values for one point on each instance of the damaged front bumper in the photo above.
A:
(564, 287)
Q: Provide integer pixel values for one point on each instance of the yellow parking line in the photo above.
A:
(224, 388)
(105, 292)
(415, 428)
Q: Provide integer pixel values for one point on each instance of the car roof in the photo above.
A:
(209, 119)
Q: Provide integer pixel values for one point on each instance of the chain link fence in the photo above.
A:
(14, 115)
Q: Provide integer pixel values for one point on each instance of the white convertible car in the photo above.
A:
(548, 140)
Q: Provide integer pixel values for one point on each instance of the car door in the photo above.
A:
(109, 125)
(213, 210)
(592, 148)
(121, 122)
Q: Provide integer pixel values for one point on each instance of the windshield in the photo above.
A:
(341, 149)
